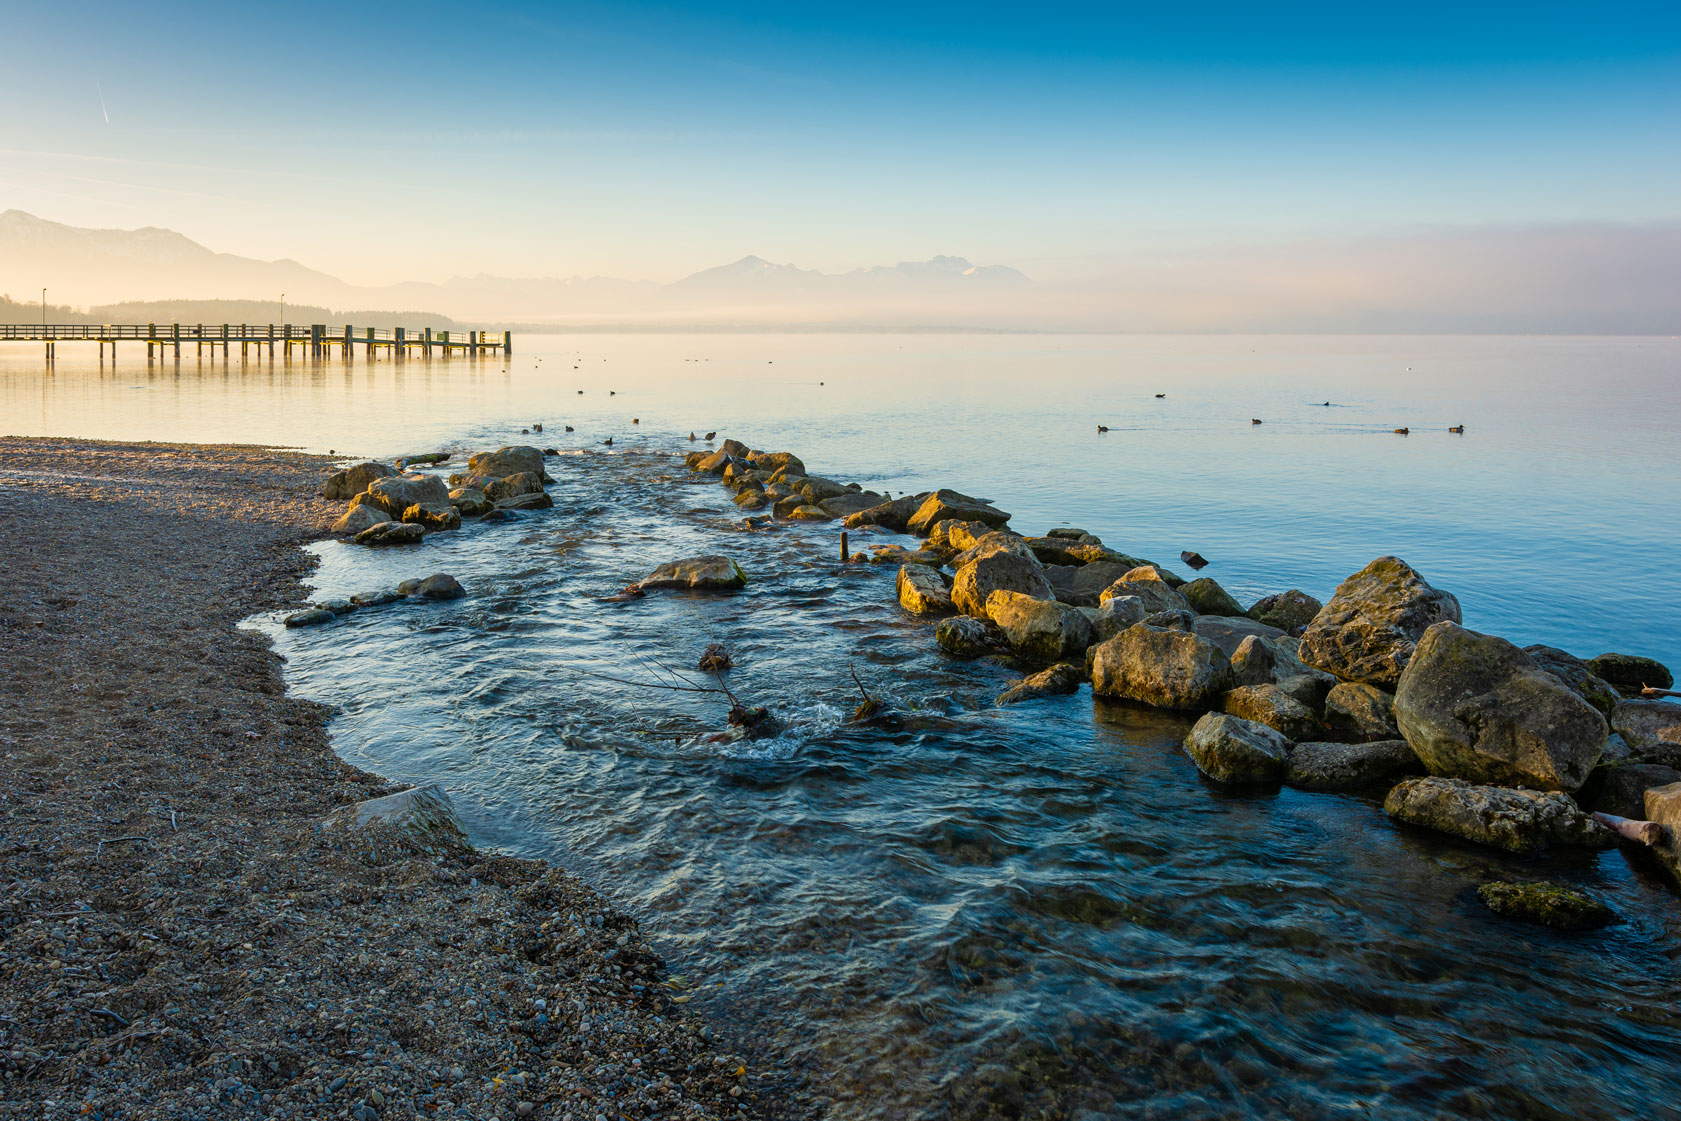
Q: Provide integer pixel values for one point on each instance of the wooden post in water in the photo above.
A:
(175, 329)
(507, 343)
(845, 552)
(397, 342)
(426, 344)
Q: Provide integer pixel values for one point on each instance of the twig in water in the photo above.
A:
(869, 706)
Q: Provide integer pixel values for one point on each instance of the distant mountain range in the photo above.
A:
(97, 267)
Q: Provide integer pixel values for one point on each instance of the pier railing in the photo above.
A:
(318, 339)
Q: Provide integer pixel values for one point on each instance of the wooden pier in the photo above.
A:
(317, 340)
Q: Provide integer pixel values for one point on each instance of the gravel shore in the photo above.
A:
(178, 936)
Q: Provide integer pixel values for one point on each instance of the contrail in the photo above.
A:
(102, 108)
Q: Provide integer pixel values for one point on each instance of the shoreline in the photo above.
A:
(179, 937)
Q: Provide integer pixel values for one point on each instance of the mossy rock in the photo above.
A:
(1207, 597)
(1554, 905)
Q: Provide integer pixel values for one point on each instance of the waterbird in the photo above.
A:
(580, 393)
(1159, 396)
(1252, 420)
(1103, 428)
(568, 428)
(536, 428)
(612, 393)
(608, 441)
(691, 435)
(1402, 431)
(1459, 428)
(709, 435)
(636, 420)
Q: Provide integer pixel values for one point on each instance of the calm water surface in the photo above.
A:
(1038, 911)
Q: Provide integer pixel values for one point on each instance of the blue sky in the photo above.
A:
(650, 140)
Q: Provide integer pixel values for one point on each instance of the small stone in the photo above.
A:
(314, 616)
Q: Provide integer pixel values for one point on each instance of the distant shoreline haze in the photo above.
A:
(1592, 279)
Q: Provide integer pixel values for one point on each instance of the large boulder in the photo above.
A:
(923, 590)
(1475, 707)
(1039, 630)
(1622, 790)
(1643, 724)
(818, 490)
(1116, 616)
(1278, 710)
(778, 461)
(1230, 749)
(353, 480)
(396, 493)
(1228, 632)
(1629, 672)
(1163, 667)
(1575, 673)
(985, 545)
(852, 502)
(391, 533)
(424, 811)
(1350, 766)
(1254, 663)
(964, 636)
(1052, 550)
(1288, 611)
(1663, 805)
(358, 518)
(507, 461)
(1055, 681)
(1083, 585)
(1207, 597)
(1360, 713)
(1369, 629)
(470, 501)
(512, 486)
(945, 505)
(1001, 571)
(893, 514)
(1522, 821)
(1149, 584)
(434, 518)
(710, 573)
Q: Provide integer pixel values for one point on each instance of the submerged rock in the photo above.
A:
(1278, 710)
(1039, 630)
(1165, 668)
(1360, 713)
(1207, 597)
(710, 573)
(353, 480)
(358, 518)
(1474, 706)
(1369, 629)
(1521, 821)
(539, 501)
(1288, 611)
(1629, 672)
(374, 599)
(512, 486)
(1230, 749)
(391, 533)
(1057, 680)
(1554, 905)
(808, 513)
(440, 585)
(964, 636)
(923, 590)
(1350, 766)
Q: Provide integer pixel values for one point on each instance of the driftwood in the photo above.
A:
(869, 706)
(1640, 832)
(1648, 691)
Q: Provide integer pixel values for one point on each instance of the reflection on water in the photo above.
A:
(1039, 911)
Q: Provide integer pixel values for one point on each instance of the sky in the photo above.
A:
(384, 143)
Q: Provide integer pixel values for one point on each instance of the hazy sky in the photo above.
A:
(388, 142)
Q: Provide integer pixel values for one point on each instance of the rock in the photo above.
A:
(1475, 707)
(1377, 616)
(470, 501)
(1253, 663)
(502, 462)
(1051, 550)
(358, 518)
(1207, 597)
(1288, 611)
(694, 459)
(1350, 766)
(778, 461)
(1147, 584)
(1521, 821)
(1070, 533)
(1164, 668)
(1645, 723)
(713, 464)
(434, 518)
(310, 617)
(353, 480)
(437, 586)
(1116, 616)
(1228, 632)
(785, 507)
(923, 590)
(817, 490)
(1622, 790)
(1083, 585)
(845, 505)
(752, 500)
(1554, 905)
(1360, 713)
(1174, 620)
(964, 636)
(944, 505)
(1663, 805)
(425, 811)
(1241, 752)
(426, 457)
(1628, 672)
(538, 501)
(1059, 679)
(892, 515)
(985, 545)
(396, 493)
(1575, 673)
(1001, 571)
(808, 514)
(940, 534)
(898, 554)
(512, 486)
(1093, 553)
(1278, 710)
(374, 599)
(1308, 688)
(391, 533)
(708, 573)
(1039, 630)
(735, 448)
